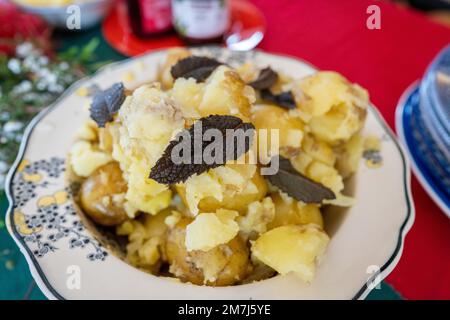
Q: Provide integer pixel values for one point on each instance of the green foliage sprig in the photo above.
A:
(30, 81)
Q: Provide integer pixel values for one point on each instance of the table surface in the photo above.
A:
(385, 61)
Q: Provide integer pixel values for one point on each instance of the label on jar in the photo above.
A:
(156, 15)
(200, 19)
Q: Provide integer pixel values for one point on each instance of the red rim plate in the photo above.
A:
(117, 30)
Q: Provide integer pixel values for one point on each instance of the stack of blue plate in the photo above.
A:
(423, 125)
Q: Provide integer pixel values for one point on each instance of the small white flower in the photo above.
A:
(41, 85)
(30, 63)
(14, 66)
(22, 87)
(64, 66)
(24, 49)
(56, 88)
(12, 126)
(43, 60)
(51, 78)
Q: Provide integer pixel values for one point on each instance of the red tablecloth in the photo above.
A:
(332, 34)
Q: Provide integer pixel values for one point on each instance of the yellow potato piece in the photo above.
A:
(290, 129)
(259, 214)
(319, 150)
(326, 175)
(188, 94)
(209, 230)
(223, 93)
(333, 107)
(85, 159)
(147, 121)
(223, 265)
(226, 93)
(350, 155)
(146, 236)
(233, 187)
(292, 249)
(339, 124)
(88, 131)
(289, 211)
(97, 194)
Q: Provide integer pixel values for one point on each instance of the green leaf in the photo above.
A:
(89, 49)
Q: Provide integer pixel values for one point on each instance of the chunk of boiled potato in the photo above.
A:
(155, 225)
(146, 236)
(349, 155)
(301, 161)
(102, 193)
(292, 248)
(226, 93)
(208, 230)
(149, 252)
(339, 124)
(233, 187)
(325, 89)
(188, 94)
(150, 105)
(105, 138)
(319, 150)
(143, 193)
(146, 122)
(223, 93)
(89, 131)
(334, 108)
(326, 175)
(145, 226)
(223, 265)
(85, 158)
(259, 214)
(290, 129)
(289, 211)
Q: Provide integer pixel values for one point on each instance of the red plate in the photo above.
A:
(117, 30)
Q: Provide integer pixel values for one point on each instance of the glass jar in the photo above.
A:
(201, 21)
(149, 17)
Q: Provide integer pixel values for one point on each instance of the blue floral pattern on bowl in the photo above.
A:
(55, 215)
(423, 149)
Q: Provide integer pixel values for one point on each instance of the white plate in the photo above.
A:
(366, 240)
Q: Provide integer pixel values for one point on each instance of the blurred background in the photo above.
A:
(46, 45)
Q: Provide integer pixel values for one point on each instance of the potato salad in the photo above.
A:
(225, 223)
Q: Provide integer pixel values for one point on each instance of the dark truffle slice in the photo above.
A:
(297, 185)
(99, 110)
(266, 78)
(285, 99)
(114, 97)
(195, 67)
(106, 103)
(167, 171)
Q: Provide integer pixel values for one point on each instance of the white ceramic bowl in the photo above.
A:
(366, 240)
(91, 12)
